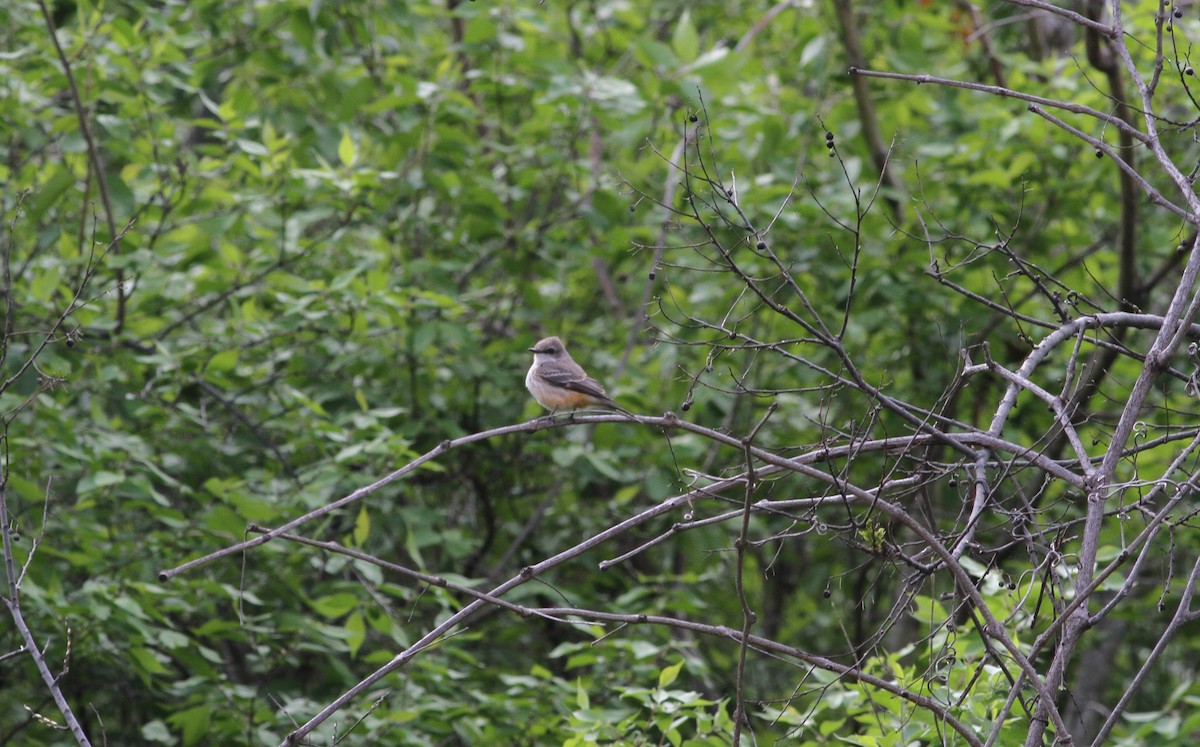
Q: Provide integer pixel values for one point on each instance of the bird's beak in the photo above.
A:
(533, 350)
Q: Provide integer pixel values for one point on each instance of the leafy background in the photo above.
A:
(340, 227)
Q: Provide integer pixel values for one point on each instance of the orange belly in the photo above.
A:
(556, 398)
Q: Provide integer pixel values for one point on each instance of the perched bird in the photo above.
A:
(558, 383)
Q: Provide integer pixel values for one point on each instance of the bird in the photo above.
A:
(559, 384)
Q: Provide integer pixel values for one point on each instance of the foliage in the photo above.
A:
(260, 256)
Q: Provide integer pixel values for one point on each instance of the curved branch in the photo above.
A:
(94, 159)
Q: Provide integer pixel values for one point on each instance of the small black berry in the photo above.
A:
(693, 118)
(762, 245)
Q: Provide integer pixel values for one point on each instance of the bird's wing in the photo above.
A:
(576, 383)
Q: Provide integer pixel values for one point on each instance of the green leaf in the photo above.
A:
(347, 153)
(25, 488)
(603, 463)
(827, 727)
(157, 731)
(335, 606)
(814, 49)
(99, 480)
(362, 527)
(223, 361)
(413, 548)
(195, 723)
(356, 630)
(626, 494)
(927, 610)
(46, 282)
(146, 660)
(654, 54)
(685, 41)
(669, 674)
(50, 192)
